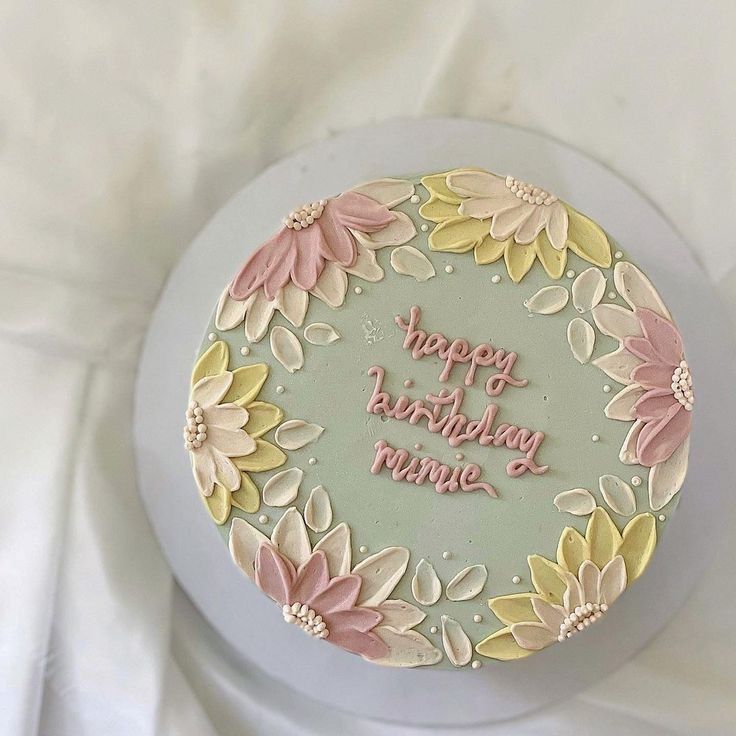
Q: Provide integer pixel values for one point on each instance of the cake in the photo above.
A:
(440, 420)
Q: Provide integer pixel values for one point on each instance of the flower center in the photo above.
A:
(305, 215)
(580, 619)
(195, 430)
(528, 192)
(306, 619)
(682, 385)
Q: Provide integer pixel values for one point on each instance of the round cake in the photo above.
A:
(440, 419)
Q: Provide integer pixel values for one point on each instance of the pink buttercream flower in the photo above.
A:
(322, 606)
(311, 236)
(666, 406)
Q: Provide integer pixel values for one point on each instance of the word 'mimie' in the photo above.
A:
(455, 426)
(418, 470)
(459, 351)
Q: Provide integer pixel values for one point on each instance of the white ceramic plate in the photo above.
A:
(245, 617)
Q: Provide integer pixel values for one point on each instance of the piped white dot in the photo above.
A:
(418, 446)
(263, 519)
(280, 389)
(312, 460)
(661, 517)
(362, 549)
(476, 664)
(414, 199)
(212, 336)
(612, 295)
(245, 350)
(449, 268)
(606, 389)
(618, 254)
(636, 481)
(433, 629)
(477, 618)
(358, 289)
(595, 438)
(459, 456)
(424, 227)
(495, 279)
(446, 555)
(408, 383)
(570, 274)
(516, 580)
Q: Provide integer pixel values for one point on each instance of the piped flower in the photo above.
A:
(658, 396)
(319, 590)
(574, 592)
(503, 217)
(224, 426)
(313, 253)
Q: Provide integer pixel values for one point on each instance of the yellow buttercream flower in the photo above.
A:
(571, 594)
(503, 217)
(222, 455)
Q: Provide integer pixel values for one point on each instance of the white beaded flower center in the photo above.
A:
(306, 619)
(305, 215)
(528, 192)
(682, 385)
(580, 619)
(195, 430)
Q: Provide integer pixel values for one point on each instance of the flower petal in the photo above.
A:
(247, 497)
(548, 613)
(354, 619)
(340, 593)
(359, 212)
(552, 259)
(290, 537)
(469, 183)
(642, 348)
(292, 302)
(270, 263)
(532, 636)
(519, 259)
(214, 360)
(225, 471)
(247, 384)
(244, 541)
(218, 504)
(627, 453)
(618, 365)
(490, 250)
(380, 574)
(366, 644)
(401, 230)
(406, 649)
(572, 549)
(613, 580)
(227, 416)
(507, 223)
(266, 457)
(616, 321)
(458, 235)
(388, 192)
(658, 440)
(286, 348)
(654, 404)
(336, 546)
(366, 267)
(639, 541)
(210, 390)
(231, 442)
(557, 225)
(573, 595)
(666, 479)
(590, 581)
(400, 615)
(532, 225)
(547, 577)
(331, 286)
(230, 312)
(603, 537)
(501, 645)
(262, 417)
(663, 336)
(510, 609)
(312, 577)
(203, 467)
(456, 642)
(258, 317)
(637, 289)
(587, 240)
(653, 375)
(621, 406)
(274, 574)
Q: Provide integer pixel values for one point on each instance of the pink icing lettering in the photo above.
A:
(419, 470)
(459, 352)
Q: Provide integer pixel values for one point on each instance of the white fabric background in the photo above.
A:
(123, 127)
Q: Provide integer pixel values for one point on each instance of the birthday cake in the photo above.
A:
(440, 420)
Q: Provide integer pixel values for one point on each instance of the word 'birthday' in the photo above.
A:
(459, 351)
(455, 426)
